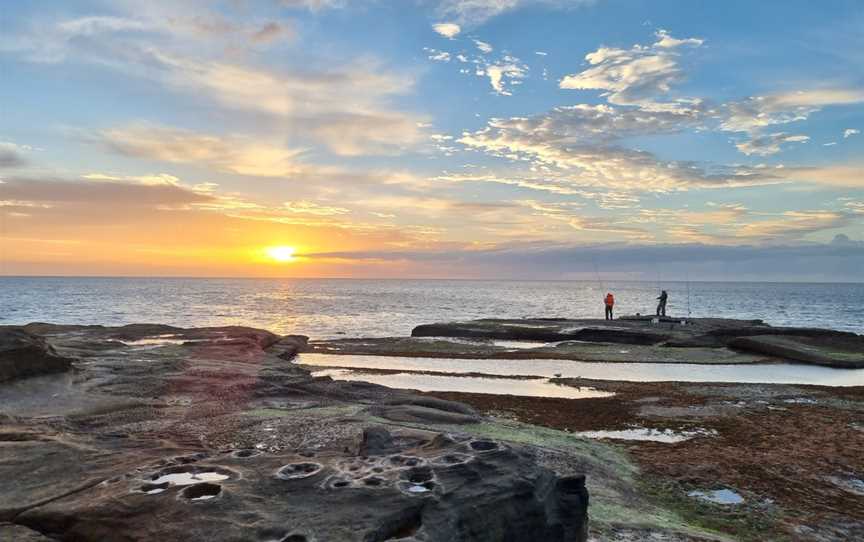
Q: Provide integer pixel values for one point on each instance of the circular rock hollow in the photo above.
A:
(451, 459)
(295, 538)
(246, 452)
(483, 445)
(191, 458)
(153, 489)
(185, 475)
(418, 475)
(201, 492)
(339, 483)
(374, 481)
(298, 471)
(410, 488)
(406, 461)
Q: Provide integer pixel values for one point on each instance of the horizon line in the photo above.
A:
(462, 279)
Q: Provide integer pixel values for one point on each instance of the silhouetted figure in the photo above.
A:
(610, 302)
(661, 307)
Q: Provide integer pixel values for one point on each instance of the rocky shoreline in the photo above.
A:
(149, 432)
(213, 434)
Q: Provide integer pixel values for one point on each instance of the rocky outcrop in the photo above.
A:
(841, 351)
(213, 434)
(696, 337)
(23, 354)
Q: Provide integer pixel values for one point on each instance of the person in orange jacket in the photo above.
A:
(610, 302)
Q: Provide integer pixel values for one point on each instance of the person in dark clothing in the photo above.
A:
(661, 307)
(610, 302)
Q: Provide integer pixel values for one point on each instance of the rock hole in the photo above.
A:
(340, 483)
(248, 452)
(572, 484)
(295, 471)
(295, 538)
(373, 481)
(483, 445)
(189, 475)
(403, 526)
(418, 475)
(201, 492)
(450, 460)
(153, 489)
(307, 454)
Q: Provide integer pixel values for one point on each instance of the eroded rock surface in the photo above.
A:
(166, 433)
(628, 340)
(24, 354)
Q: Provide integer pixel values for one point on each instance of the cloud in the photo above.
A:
(312, 208)
(126, 194)
(758, 112)
(448, 30)
(241, 155)
(437, 56)
(317, 98)
(12, 155)
(849, 132)
(151, 180)
(838, 262)
(483, 47)
(635, 76)
(792, 225)
(504, 74)
(579, 147)
(848, 176)
(314, 5)
(769, 144)
(477, 12)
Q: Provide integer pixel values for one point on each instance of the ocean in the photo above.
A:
(330, 308)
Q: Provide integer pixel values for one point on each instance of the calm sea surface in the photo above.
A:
(324, 308)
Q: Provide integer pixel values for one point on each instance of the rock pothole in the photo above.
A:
(201, 492)
(245, 453)
(186, 475)
(483, 445)
(299, 471)
(451, 459)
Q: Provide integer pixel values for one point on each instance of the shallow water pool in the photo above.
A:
(635, 372)
(533, 387)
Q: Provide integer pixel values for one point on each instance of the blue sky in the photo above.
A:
(432, 137)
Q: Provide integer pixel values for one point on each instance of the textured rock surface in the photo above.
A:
(212, 434)
(842, 351)
(23, 354)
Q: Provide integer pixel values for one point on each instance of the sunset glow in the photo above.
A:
(281, 254)
(442, 139)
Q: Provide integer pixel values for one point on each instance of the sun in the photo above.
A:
(281, 253)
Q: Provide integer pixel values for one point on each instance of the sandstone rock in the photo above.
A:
(211, 435)
(17, 533)
(420, 414)
(23, 354)
(841, 351)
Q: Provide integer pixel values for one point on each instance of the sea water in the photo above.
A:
(332, 308)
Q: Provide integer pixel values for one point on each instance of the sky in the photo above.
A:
(526, 139)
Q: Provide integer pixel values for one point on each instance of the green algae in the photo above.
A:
(334, 411)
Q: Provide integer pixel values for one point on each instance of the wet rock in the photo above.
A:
(18, 533)
(203, 456)
(23, 354)
(377, 441)
(420, 414)
(834, 350)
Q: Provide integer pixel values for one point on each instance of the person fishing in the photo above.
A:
(661, 306)
(610, 302)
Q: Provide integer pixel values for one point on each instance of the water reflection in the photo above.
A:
(636, 372)
(534, 387)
